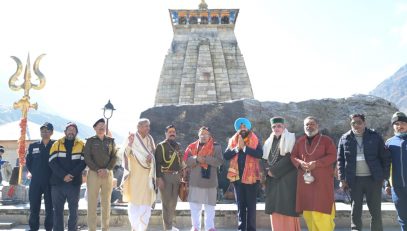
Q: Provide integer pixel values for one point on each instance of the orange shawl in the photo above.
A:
(251, 172)
(206, 150)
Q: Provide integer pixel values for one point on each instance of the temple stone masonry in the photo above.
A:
(204, 63)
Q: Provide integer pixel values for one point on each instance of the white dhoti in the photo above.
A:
(139, 216)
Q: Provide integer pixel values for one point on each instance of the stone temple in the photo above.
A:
(204, 63)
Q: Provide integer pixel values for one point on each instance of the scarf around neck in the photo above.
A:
(251, 171)
(287, 142)
(205, 150)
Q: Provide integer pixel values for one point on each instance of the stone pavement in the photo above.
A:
(22, 227)
(225, 217)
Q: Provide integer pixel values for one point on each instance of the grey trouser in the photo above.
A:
(60, 194)
(169, 198)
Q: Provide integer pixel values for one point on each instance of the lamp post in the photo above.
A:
(108, 113)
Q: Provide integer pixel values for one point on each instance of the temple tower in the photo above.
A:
(204, 63)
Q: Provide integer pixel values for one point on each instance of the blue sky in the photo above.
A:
(100, 50)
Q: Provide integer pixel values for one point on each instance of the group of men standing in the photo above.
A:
(299, 174)
(56, 169)
(362, 162)
(57, 166)
(287, 165)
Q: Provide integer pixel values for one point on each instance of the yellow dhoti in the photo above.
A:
(317, 221)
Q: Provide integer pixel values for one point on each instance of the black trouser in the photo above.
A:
(246, 198)
(35, 193)
(365, 185)
(60, 194)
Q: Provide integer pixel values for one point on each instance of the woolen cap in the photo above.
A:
(101, 120)
(71, 124)
(241, 121)
(398, 116)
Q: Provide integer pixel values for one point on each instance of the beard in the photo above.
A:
(70, 136)
(244, 134)
(172, 142)
(311, 133)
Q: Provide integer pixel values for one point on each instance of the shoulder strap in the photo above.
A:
(162, 148)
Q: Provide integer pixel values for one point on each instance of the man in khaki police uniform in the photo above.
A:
(168, 170)
(100, 157)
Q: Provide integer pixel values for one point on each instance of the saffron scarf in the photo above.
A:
(251, 172)
(206, 150)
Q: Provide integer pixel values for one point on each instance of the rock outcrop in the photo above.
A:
(332, 113)
(219, 117)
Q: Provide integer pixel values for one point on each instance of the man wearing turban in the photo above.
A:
(244, 151)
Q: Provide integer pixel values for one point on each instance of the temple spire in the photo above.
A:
(204, 63)
(203, 5)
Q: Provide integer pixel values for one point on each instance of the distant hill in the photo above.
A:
(8, 115)
(394, 88)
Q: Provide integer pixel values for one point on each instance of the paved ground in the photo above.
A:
(20, 228)
(342, 210)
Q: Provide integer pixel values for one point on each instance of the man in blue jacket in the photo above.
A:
(67, 163)
(1, 162)
(37, 164)
(398, 149)
(363, 165)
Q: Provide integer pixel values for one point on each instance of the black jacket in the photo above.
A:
(376, 155)
(64, 162)
(37, 162)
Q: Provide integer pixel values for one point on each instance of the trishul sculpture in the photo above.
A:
(24, 103)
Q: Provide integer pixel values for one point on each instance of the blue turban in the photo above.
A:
(244, 121)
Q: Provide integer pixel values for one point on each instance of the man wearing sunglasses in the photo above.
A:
(363, 165)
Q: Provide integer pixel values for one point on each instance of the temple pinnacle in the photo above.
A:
(203, 5)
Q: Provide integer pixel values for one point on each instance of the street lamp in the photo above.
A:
(108, 113)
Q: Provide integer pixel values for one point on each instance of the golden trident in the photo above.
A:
(24, 103)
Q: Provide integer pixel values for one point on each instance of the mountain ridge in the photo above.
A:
(7, 115)
(394, 88)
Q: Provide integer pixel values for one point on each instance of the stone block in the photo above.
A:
(15, 193)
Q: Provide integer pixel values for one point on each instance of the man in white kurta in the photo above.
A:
(139, 177)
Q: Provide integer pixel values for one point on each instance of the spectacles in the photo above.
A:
(353, 123)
